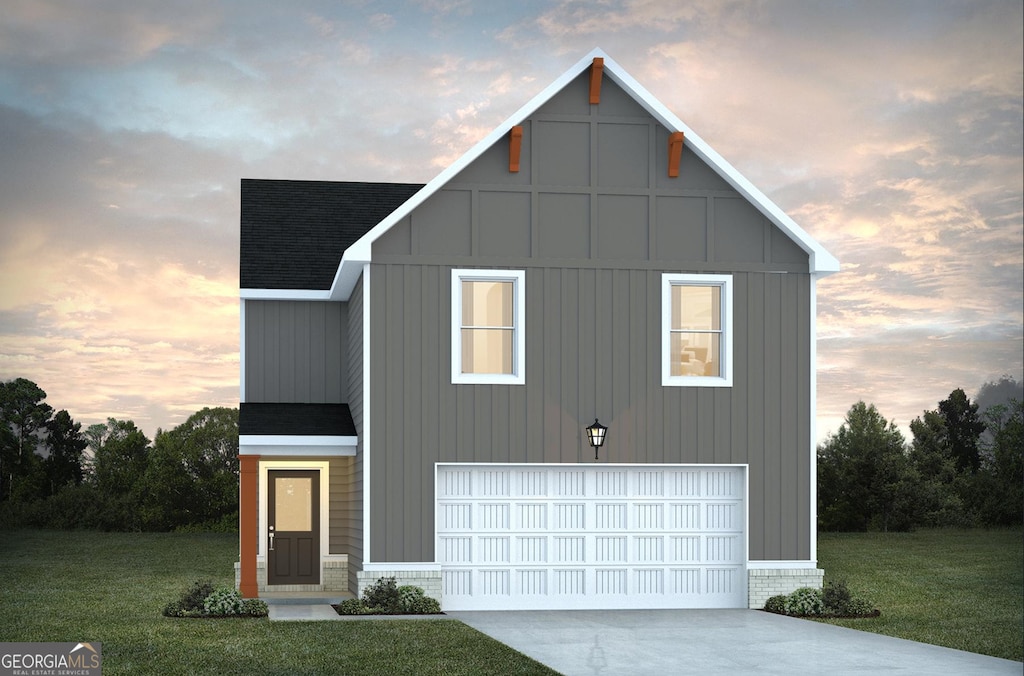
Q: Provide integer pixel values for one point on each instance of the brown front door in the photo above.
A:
(293, 520)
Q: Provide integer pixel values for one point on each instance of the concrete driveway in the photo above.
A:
(667, 642)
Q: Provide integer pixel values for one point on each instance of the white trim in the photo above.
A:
(518, 279)
(813, 418)
(296, 440)
(367, 420)
(820, 260)
(298, 451)
(782, 565)
(404, 567)
(325, 527)
(241, 350)
(284, 294)
(670, 279)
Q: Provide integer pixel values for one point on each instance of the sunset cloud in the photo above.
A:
(892, 132)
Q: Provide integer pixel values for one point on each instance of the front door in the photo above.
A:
(293, 525)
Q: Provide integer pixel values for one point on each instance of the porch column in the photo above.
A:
(248, 523)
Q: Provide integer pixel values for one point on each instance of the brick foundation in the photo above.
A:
(763, 583)
(333, 577)
(427, 580)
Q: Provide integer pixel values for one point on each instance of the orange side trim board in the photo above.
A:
(596, 71)
(248, 523)
(515, 146)
(675, 153)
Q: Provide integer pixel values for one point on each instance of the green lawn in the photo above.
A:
(111, 587)
(962, 589)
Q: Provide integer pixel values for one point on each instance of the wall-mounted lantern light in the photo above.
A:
(595, 435)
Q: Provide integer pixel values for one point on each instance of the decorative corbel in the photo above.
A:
(515, 146)
(675, 153)
(596, 71)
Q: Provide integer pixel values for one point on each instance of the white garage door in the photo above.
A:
(591, 536)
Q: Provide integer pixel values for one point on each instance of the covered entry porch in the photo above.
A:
(296, 500)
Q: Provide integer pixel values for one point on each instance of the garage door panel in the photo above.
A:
(525, 537)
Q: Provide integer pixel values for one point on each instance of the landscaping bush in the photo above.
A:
(776, 604)
(223, 601)
(834, 600)
(201, 599)
(383, 594)
(836, 597)
(805, 602)
(385, 597)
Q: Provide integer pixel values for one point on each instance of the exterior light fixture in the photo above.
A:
(595, 435)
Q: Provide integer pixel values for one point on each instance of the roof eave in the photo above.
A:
(360, 252)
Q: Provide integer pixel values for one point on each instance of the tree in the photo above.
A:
(865, 479)
(940, 482)
(192, 476)
(1000, 491)
(65, 443)
(23, 419)
(963, 429)
(119, 457)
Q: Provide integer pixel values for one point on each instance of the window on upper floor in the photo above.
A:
(696, 340)
(488, 322)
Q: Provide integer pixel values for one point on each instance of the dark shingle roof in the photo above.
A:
(293, 233)
(296, 419)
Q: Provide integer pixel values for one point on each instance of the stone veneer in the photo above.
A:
(427, 580)
(763, 583)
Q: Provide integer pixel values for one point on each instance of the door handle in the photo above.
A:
(271, 538)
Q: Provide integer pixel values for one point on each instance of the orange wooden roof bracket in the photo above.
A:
(675, 153)
(596, 71)
(515, 146)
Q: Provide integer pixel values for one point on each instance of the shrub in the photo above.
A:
(383, 594)
(805, 601)
(254, 608)
(351, 607)
(385, 597)
(424, 605)
(193, 598)
(223, 601)
(407, 596)
(776, 604)
(836, 597)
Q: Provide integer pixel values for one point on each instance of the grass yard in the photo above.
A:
(962, 589)
(111, 588)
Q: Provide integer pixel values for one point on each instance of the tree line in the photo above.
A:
(961, 467)
(111, 476)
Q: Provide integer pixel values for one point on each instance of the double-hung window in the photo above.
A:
(488, 326)
(696, 333)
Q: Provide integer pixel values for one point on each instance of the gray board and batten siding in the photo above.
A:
(594, 221)
(296, 352)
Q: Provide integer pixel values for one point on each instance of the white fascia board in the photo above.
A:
(402, 567)
(782, 565)
(284, 294)
(821, 261)
(296, 445)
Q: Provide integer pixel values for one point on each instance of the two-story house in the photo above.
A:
(420, 362)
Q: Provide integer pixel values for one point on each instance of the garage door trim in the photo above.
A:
(604, 536)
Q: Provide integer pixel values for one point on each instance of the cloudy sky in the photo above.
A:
(891, 131)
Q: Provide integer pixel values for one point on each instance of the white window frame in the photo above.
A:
(518, 279)
(668, 280)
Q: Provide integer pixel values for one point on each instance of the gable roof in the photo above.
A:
(293, 233)
(821, 261)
